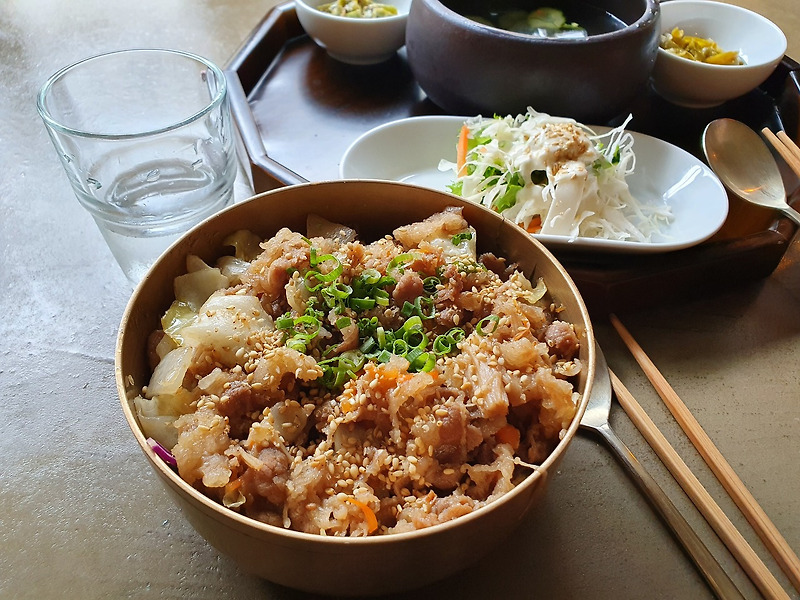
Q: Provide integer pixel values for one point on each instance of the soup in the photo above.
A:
(558, 19)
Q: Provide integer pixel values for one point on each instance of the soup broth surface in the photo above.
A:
(517, 17)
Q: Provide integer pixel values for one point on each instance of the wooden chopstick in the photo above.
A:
(785, 147)
(755, 515)
(759, 574)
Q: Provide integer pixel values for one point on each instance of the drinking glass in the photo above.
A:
(148, 144)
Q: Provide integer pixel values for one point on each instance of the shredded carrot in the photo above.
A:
(369, 514)
(508, 434)
(535, 226)
(461, 152)
(382, 372)
(522, 333)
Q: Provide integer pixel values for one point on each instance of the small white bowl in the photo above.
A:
(353, 40)
(694, 84)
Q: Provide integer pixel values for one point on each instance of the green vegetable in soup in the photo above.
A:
(360, 9)
(542, 22)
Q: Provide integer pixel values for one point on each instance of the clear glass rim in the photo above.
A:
(219, 97)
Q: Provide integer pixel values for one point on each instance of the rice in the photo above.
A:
(331, 386)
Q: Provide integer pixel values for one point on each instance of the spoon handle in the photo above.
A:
(792, 214)
(709, 567)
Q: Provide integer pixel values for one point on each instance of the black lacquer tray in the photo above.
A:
(298, 110)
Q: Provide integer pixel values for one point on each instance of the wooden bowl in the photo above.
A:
(330, 565)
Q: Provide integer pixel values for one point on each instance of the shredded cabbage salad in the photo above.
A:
(553, 175)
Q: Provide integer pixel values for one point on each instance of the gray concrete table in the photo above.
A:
(82, 516)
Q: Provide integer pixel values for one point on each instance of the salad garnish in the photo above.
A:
(553, 175)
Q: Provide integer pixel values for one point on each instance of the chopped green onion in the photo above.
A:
(297, 343)
(443, 345)
(429, 284)
(381, 297)
(340, 369)
(284, 322)
(416, 338)
(336, 295)
(370, 276)
(312, 281)
(362, 303)
(423, 363)
(460, 237)
(456, 334)
(398, 261)
(367, 345)
(340, 290)
(367, 290)
(308, 323)
(485, 322)
(399, 347)
(343, 322)
(417, 309)
(414, 322)
(448, 342)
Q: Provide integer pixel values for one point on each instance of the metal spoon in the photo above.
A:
(745, 165)
(595, 419)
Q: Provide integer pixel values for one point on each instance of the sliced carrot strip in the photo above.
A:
(535, 226)
(508, 434)
(369, 514)
(461, 150)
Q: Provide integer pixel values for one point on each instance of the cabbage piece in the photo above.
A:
(230, 325)
(195, 287)
(168, 375)
(160, 429)
(233, 268)
(246, 245)
(178, 316)
(157, 414)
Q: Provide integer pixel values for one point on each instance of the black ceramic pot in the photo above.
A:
(470, 68)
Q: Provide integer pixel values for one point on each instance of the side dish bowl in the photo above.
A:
(357, 41)
(694, 84)
(467, 67)
(313, 562)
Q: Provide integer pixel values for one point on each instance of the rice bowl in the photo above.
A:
(292, 553)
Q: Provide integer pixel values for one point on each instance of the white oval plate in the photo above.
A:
(410, 150)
